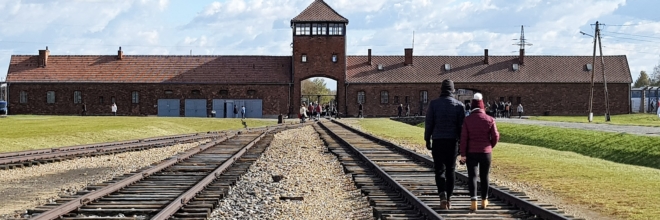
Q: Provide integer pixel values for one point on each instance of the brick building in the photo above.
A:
(270, 85)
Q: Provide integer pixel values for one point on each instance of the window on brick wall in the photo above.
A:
(361, 97)
(384, 97)
(407, 99)
(334, 58)
(23, 97)
(304, 58)
(169, 92)
(224, 92)
(50, 97)
(100, 99)
(336, 29)
(251, 92)
(135, 97)
(518, 100)
(424, 96)
(77, 97)
(318, 29)
(396, 99)
(112, 99)
(195, 92)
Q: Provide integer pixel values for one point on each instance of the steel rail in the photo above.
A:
(409, 196)
(45, 154)
(83, 200)
(512, 199)
(184, 198)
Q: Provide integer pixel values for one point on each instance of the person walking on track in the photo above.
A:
(444, 119)
(479, 136)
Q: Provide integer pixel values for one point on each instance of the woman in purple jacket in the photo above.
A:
(478, 138)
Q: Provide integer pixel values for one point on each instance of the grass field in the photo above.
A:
(35, 132)
(651, 120)
(612, 189)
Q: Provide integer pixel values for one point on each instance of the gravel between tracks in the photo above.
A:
(298, 155)
(26, 188)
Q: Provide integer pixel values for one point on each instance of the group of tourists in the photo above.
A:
(449, 133)
(315, 111)
(502, 109)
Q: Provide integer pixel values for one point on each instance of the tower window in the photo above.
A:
(135, 97)
(318, 29)
(304, 58)
(334, 58)
(336, 29)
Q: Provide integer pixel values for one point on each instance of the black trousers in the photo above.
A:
(444, 156)
(480, 161)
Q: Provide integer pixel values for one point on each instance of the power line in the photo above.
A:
(636, 35)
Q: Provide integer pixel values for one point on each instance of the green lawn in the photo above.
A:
(651, 120)
(612, 189)
(23, 132)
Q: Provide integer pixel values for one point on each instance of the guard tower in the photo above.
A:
(319, 49)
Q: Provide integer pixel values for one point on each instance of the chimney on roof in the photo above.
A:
(43, 57)
(486, 58)
(120, 54)
(521, 59)
(409, 57)
(369, 56)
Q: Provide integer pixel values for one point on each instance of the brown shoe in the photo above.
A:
(444, 205)
(484, 203)
(473, 205)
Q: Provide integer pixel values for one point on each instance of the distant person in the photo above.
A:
(319, 109)
(114, 109)
(242, 112)
(479, 136)
(520, 111)
(303, 113)
(468, 108)
(444, 119)
(360, 111)
(407, 110)
(84, 109)
(400, 110)
(235, 111)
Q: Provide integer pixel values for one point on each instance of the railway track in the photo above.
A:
(36, 157)
(400, 184)
(185, 186)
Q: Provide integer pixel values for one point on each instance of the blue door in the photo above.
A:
(253, 108)
(195, 108)
(219, 108)
(168, 107)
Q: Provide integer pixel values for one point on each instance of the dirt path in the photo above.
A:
(638, 130)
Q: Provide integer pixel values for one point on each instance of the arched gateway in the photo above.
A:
(319, 49)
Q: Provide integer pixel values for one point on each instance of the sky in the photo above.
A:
(262, 27)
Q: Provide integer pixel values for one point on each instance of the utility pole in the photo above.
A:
(602, 63)
(593, 69)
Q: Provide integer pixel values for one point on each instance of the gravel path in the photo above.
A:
(26, 188)
(315, 177)
(638, 130)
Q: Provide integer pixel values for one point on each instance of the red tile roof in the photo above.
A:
(152, 69)
(537, 69)
(319, 11)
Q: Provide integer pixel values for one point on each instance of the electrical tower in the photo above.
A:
(522, 42)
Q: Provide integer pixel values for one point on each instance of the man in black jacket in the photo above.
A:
(444, 120)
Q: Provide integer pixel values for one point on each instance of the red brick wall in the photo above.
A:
(319, 51)
(558, 99)
(274, 97)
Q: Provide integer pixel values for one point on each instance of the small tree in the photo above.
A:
(643, 80)
(655, 79)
